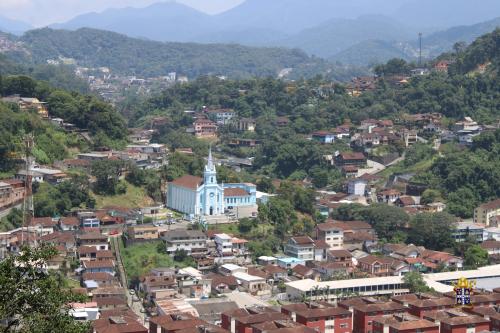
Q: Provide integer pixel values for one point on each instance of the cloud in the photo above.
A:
(13, 4)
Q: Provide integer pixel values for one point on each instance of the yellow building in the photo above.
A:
(27, 103)
(142, 232)
(486, 213)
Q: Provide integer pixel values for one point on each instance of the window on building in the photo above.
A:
(344, 325)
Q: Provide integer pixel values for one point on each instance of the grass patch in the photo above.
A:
(134, 197)
(230, 228)
(139, 259)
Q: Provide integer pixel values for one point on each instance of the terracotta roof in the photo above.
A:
(434, 302)
(272, 269)
(323, 312)
(44, 221)
(371, 259)
(358, 236)
(235, 192)
(490, 244)
(222, 279)
(262, 317)
(98, 264)
(181, 324)
(390, 192)
(331, 225)
(412, 324)
(357, 225)
(106, 301)
(188, 181)
(469, 319)
(352, 156)
(70, 220)
(118, 324)
(495, 204)
(92, 236)
(100, 276)
(302, 240)
(302, 270)
(406, 200)
(321, 244)
(386, 306)
(87, 249)
(340, 253)
(159, 320)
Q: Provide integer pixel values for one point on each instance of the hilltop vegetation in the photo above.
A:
(87, 112)
(129, 56)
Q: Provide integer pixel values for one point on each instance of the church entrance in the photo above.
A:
(211, 210)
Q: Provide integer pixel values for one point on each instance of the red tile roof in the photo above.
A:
(70, 220)
(235, 192)
(352, 156)
(302, 240)
(188, 181)
(495, 204)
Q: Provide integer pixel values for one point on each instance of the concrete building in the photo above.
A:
(332, 233)
(486, 213)
(194, 242)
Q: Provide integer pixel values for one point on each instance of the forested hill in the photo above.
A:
(131, 56)
(483, 51)
(105, 126)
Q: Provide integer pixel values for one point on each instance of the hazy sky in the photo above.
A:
(44, 12)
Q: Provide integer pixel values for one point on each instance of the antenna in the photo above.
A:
(28, 191)
(420, 49)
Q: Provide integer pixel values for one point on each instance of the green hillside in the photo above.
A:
(130, 56)
(87, 112)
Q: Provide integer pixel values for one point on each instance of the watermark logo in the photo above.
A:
(463, 292)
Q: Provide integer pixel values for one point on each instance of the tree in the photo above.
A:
(434, 231)
(416, 283)
(430, 196)
(386, 220)
(33, 299)
(180, 255)
(107, 173)
(475, 257)
(245, 225)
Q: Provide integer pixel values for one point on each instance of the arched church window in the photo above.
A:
(211, 179)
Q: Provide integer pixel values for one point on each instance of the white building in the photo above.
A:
(197, 196)
(194, 242)
(332, 233)
(357, 186)
(224, 244)
(300, 248)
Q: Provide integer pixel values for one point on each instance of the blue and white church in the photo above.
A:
(195, 196)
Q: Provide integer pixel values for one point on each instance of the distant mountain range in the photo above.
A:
(376, 51)
(13, 26)
(339, 30)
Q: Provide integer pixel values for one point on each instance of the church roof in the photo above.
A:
(235, 192)
(188, 181)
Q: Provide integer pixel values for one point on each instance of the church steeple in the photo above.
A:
(210, 174)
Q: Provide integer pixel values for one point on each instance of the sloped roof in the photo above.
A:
(188, 181)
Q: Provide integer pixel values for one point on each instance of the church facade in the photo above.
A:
(196, 196)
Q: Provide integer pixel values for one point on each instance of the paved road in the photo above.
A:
(135, 306)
